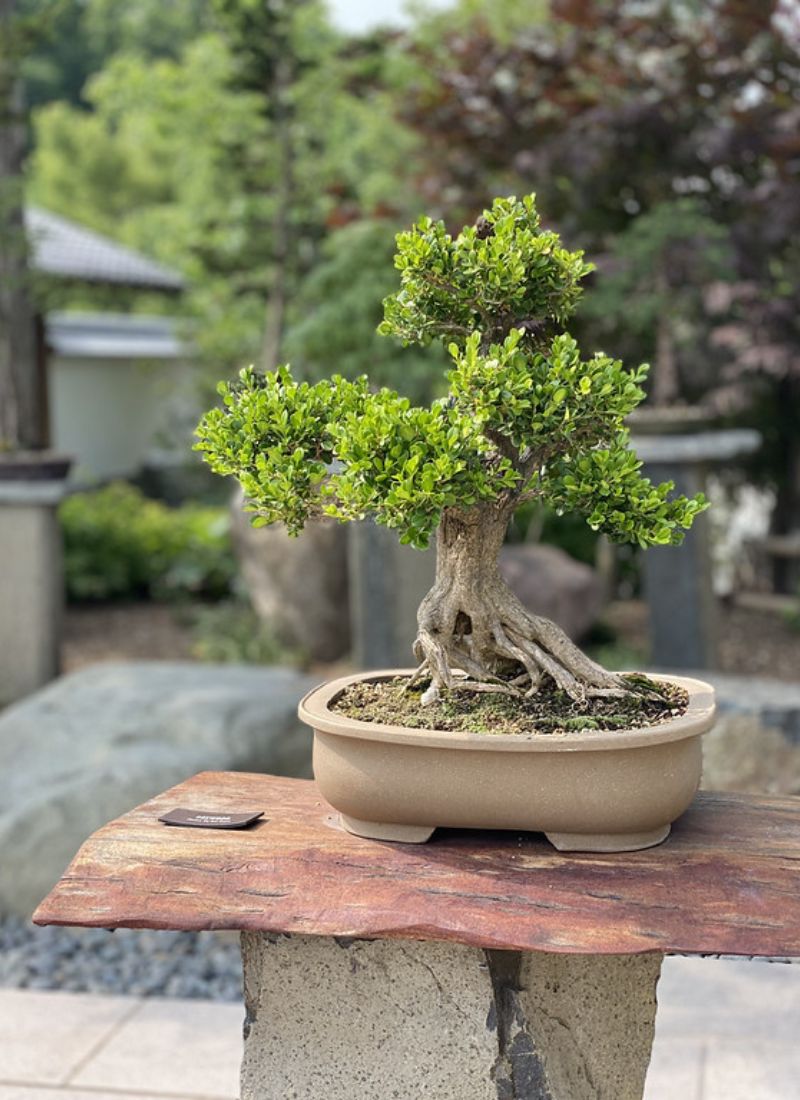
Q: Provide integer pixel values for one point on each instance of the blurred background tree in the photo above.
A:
(663, 137)
(23, 412)
(271, 157)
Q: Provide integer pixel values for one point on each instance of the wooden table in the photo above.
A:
(480, 965)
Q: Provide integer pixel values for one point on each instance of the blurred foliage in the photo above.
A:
(660, 135)
(133, 167)
(619, 112)
(231, 632)
(84, 34)
(534, 522)
(118, 544)
(646, 301)
(180, 155)
(337, 310)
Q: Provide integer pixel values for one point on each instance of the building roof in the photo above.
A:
(70, 251)
(115, 336)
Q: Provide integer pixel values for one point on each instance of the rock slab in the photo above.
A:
(297, 585)
(754, 745)
(96, 743)
(551, 583)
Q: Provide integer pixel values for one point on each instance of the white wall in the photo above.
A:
(111, 413)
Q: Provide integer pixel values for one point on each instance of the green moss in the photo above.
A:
(549, 711)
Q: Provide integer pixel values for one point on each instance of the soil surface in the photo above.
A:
(123, 632)
(549, 711)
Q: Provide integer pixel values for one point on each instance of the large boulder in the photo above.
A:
(755, 743)
(298, 585)
(551, 583)
(106, 738)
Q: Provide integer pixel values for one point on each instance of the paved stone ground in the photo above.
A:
(727, 1030)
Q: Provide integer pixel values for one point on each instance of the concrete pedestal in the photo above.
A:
(381, 1019)
(387, 584)
(677, 579)
(31, 586)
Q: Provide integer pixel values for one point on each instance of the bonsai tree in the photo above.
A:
(526, 417)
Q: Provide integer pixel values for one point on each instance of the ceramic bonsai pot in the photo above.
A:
(591, 791)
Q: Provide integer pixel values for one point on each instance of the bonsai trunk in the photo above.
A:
(472, 621)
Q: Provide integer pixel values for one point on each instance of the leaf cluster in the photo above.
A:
(605, 485)
(526, 416)
(502, 272)
(564, 417)
(544, 401)
(337, 449)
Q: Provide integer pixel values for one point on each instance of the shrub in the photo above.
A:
(231, 632)
(118, 544)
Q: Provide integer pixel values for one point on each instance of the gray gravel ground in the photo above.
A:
(141, 963)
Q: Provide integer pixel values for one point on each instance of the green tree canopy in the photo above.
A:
(527, 415)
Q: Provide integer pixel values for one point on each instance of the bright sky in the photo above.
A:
(356, 15)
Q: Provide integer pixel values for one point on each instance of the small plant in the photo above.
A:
(118, 544)
(527, 418)
(232, 633)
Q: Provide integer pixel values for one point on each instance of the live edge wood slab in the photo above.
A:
(727, 881)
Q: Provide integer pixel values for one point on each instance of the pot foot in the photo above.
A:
(607, 842)
(377, 830)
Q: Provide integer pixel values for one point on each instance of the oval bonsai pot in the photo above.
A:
(589, 791)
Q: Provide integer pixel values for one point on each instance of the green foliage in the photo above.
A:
(133, 166)
(338, 308)
(119, 544)
(605, 485)
(575, 409)
(491, 278)
(179, 154)
(657, 265)
(338, 449)
(231, 633)
(527, 417)
(404, 465)
(80, 36)
(552, 396)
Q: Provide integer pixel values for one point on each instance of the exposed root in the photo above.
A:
(419, 674)
(430, 695)
(504, 650)
(476, 685)
(474, 631)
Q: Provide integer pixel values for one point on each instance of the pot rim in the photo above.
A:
(315, 711)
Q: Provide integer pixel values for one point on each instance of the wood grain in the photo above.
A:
(727, 881)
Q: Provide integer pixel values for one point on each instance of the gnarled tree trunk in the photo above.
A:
(471, 620)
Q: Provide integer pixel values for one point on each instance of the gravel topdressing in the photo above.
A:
(144, 963)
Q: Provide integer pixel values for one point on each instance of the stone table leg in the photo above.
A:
(31, 591)
(399, 1020)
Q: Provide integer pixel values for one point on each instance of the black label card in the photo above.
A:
(210, 819)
